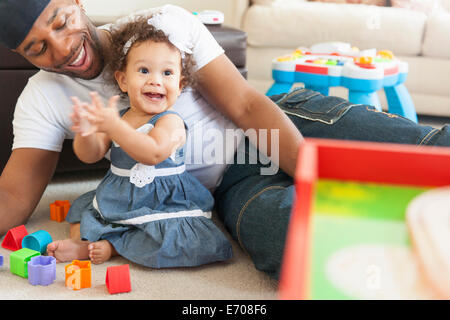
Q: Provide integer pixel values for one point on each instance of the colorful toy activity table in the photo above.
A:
(347, 237)
(363, 73)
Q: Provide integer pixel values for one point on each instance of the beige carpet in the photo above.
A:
(234, 279)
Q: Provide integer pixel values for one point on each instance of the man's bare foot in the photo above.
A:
(101, 251)
(68, 250)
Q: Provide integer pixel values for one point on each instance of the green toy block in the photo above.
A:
(19, 261)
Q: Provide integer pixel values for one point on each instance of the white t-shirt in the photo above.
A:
(42, 114)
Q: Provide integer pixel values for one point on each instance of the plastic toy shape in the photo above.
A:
(13, 239)
(118, 279)
(18, 261)
(78, 275)
(1, 260)
(59, 210)
(41, 270)
(37, 241)
(363, 73)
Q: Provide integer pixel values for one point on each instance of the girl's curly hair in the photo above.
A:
(141, 31)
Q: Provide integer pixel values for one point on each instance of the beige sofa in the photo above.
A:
(275, 27)
(105, 11)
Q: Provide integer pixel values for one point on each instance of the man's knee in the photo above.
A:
(262, 224)
(438, 137)
(256, 213)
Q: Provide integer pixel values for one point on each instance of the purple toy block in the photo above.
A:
(41, 270)
(1, 260)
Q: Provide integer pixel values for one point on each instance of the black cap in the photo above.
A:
(17, 18)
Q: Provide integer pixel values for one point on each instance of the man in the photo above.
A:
(57, 37)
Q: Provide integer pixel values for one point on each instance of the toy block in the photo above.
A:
(118, 279)
(41, 270)
(78, 274)
(37, 241)
(59, 210)
(13, 239)
(18, 261)
(1, 260)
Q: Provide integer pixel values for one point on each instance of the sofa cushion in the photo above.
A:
(368, 2)
(445, 4)
(289, 24)
(437, 40)
(12, 60)
(268, 2)
(425, 6)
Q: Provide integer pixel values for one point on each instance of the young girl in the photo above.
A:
(147, 208)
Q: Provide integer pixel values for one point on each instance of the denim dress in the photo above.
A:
(156, 216)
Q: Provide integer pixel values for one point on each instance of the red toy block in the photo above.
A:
(353, 161)
(13, 239)
(59, 210)
(118, 279)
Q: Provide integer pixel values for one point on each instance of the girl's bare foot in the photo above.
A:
(101, 251)
(68, 250)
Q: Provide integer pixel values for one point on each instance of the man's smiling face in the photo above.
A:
(64, 40)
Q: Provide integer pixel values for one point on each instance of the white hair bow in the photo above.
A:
(172, 28)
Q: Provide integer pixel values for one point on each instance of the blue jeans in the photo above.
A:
(256, 208)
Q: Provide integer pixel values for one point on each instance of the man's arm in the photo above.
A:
(22, 184)
(225, 88)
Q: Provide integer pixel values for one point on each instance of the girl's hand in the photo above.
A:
(100, 119)
(80, 123)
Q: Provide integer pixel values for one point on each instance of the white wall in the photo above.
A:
(104, 11)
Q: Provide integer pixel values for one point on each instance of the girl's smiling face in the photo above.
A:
(152, 76)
